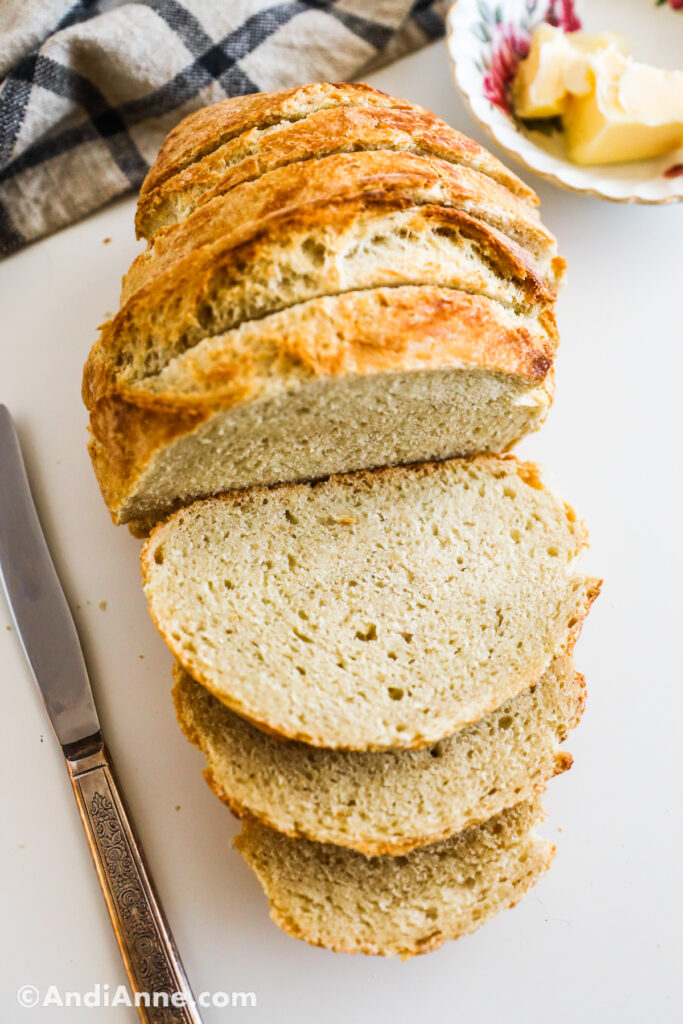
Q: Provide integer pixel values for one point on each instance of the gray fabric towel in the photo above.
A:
(89, 89)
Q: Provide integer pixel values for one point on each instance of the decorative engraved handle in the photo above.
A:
(149, 953)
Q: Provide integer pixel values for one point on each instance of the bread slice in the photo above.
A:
(373, 610)
(368, 331)
(342, 176)
(368, 378)
(393, 801)
(300, 123)
(405, 905)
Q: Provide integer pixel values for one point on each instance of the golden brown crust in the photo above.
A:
(530, 474)
(581, 691)
(166, 315)
(382, 330)
(338, 177)
(563, 762)
(386, 331)
(202, 131)
(213, 271)
(132, 434)
(251, 154)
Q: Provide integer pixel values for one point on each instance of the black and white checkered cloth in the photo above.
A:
(89, 89)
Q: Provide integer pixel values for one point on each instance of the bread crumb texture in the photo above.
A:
(391, 801)
(403, 905)
(451, 592)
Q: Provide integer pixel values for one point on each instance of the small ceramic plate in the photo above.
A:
(488, 38)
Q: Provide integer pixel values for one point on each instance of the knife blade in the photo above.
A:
(39, 608)
(48, 636)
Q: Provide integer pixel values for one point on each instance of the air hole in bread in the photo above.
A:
(315, 251)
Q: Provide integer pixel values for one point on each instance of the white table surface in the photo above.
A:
(599, 939)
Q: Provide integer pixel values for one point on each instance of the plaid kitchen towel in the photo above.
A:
(89, 89)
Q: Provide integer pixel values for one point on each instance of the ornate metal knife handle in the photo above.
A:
(149, 953)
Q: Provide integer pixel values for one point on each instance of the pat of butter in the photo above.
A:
(633, 112)
(555, 57)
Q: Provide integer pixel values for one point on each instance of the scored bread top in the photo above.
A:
(376, 609)
(328, 132)
(320, 225)
(297, 255)
(193, 142)
(342, 176)
(204, 130)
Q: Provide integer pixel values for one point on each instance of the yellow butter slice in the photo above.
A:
(632, 112)
(556, 58)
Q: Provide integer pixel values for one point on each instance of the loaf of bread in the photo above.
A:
(345, 901)
(343, 316)
(393, 801)
(379, 609)
(335, 280)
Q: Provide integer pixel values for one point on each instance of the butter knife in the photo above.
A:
(48, 636)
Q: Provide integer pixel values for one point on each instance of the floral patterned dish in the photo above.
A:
(488, 38)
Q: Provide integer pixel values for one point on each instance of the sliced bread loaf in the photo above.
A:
(405, 905)
(153, 451)
(290, 217)
(392, 801)
(373, 610)
(367, 378)
(294, 124)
